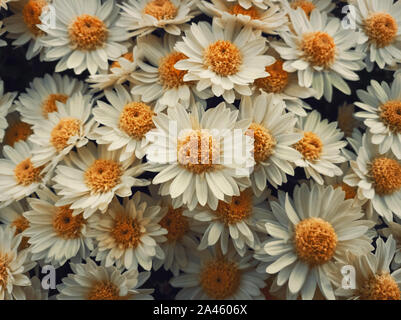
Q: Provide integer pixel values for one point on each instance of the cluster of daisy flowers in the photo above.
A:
(183, 137)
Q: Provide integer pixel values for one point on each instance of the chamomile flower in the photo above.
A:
(18, 176)
(373, 277)
(270, 20)
(380, 31)
(211, 275)
(17, 129)
(64, 129)
(196, 164)
(378, 178)
(92, 282)
(158, 79)
(55, 234)
(13, 265)
(310, 5)
(274, 135)
(44, 94)
(320, 51)
(394, 229)
(22, 25)
(320, 147)
(85, 36)
(129, 234)
(6, 101)
(145, 16)
(381, 113)
(91, 176)
(309, 233)
(246, 4)
(225, 58)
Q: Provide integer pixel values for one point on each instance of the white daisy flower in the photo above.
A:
(6, 101)
(380, 31)
(381, 113)
(91, 176)
(274, 135)
(238, 222)
(320, 51)
(394, 229)
(269, 20)
(17, 130)
(196, 163)
(309, 233)
(246, 4)
(129, 234)
(145, 16)
(324, 6)
(44, 94)
(320, 147)
(159, 80)
(92, 282)
(64, 129)
(18, 177)
(373, 277)
(225, 58)
(2, 31)
(85, 36)
(211, 275)
(378, 178)
(13, 265)
(22, 25)
(55, 234)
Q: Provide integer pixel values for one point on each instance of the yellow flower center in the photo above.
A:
(5, 261)
(26, 174)
(199, 152)
(136, 119)
(104, 290)
(238, 9)
(127, 232)
(381, 28)
(310, 146)
(63, 131)
(350, 192)
(306, 6)
(103, 175)
(19, 131)
(49, 105)
(220, 278)
(161, 9)
(129, 56)
(380, 287)
(390, 114)
(66, 225)
(277, 81)
(31, 13)
(239, 209)
(264, 142)
(386, 174)
(169, 76)
(319, 49)
(223, 57)
(315, 241)
(175, 223)
(21, 224)
(88, 33)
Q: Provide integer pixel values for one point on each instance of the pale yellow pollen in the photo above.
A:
(310, 146)
(390, 114)
(315, 241)
(63, 131)
(26, 174)
(31, 13)
(220, 278)
(49, 105)
(5, 261)
(136, 119)
(175, 223)
(223, 57)
(319, 49)
(161, 9)
(381, 29)
(18, 131)
(251, 12)
(237, 210)
(87, 33)
(126, 232)
(381, 286)
(104, 290)
(199, 152)
(103, 175)
(66, 225)
(128, 56)
(305, 5)
(169, 76)
(264, 142)
(386, 174)
(277, 81)
(350, 192)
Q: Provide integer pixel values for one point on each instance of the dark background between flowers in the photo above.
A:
(17, 73)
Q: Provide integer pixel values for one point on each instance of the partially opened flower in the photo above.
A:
(6, 101)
